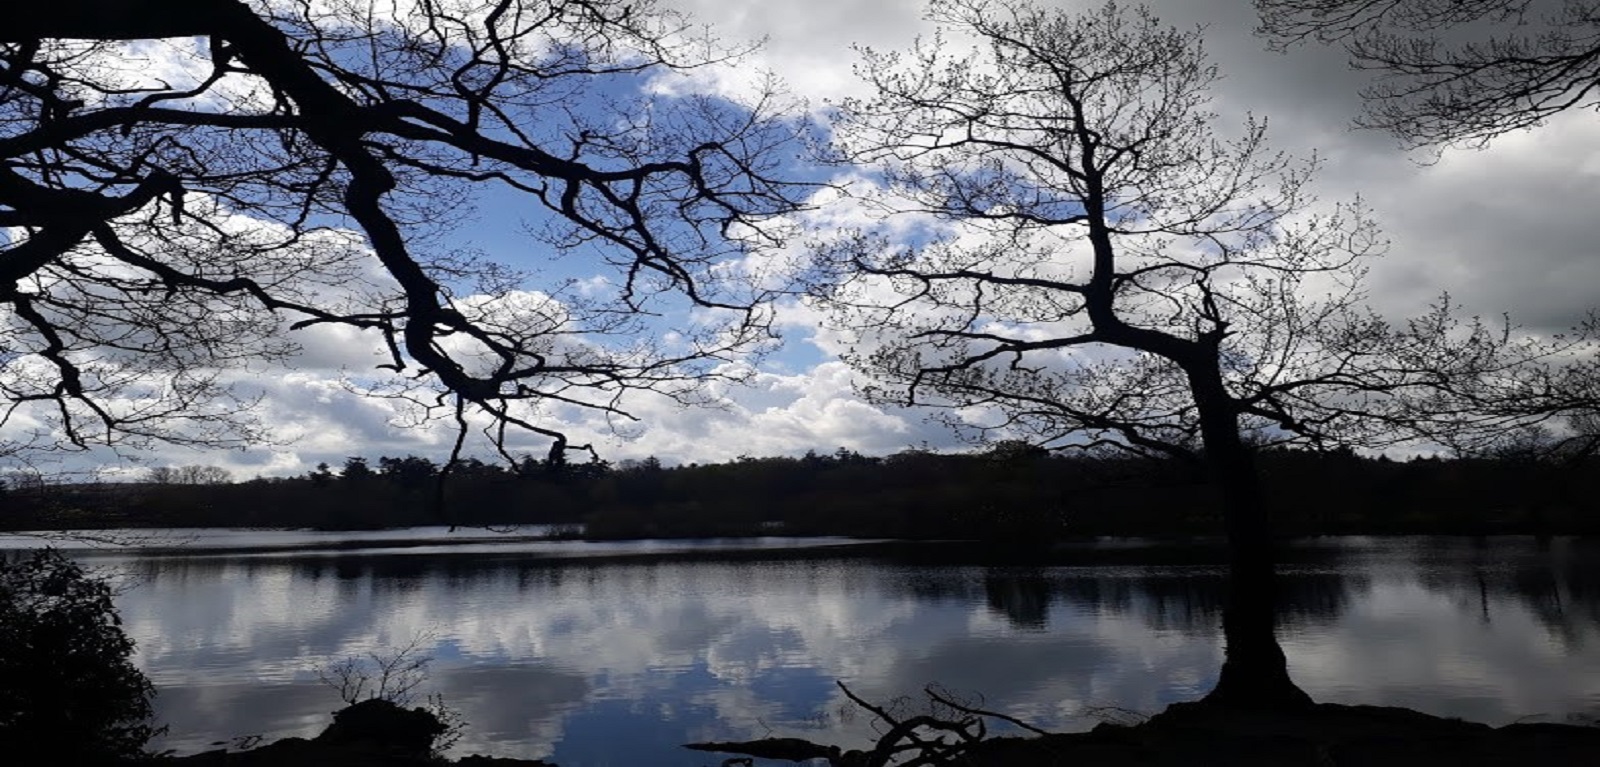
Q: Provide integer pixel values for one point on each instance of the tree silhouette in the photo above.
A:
(182, 180)
(67, 686)
(356, 470)
(1456, 70)
(1100, 266)
(411, 472)
(188, 475)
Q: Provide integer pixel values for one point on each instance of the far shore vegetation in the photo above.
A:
(1008, 492)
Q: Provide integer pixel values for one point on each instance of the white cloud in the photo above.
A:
(1505, 229)
(807, 44)
(1508, 229)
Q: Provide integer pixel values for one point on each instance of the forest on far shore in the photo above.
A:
(1010, 492)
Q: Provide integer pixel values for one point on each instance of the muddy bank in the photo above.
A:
(377, 734)
(1193, 735)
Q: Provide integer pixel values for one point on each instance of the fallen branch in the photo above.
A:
(923, 740)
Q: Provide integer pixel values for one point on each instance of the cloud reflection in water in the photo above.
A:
(616, 663)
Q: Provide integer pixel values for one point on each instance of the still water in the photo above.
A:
(614, 654)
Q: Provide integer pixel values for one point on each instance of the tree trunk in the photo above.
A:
(1255, 673)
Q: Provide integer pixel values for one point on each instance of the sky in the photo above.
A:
(1507, 229)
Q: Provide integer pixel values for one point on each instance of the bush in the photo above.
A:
(378, 687)
(67, 687)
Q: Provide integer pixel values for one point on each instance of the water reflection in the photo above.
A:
(590, 663)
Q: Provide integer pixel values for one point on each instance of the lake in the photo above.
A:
(593, 654)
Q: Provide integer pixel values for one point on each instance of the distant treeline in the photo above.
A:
(1010, 493)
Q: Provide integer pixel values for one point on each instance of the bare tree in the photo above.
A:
(183, 182)
(1456, 71)
(193, 474)
(393, 675)
(1097, 264)
(1545, 408)
(162, 475)
(31, 481)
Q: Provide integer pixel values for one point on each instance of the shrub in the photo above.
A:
(67, 686)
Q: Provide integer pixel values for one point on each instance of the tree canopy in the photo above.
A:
(180, 183)
(1456, 71)
(1104, 264)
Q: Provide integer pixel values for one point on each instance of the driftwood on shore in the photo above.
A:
(942, 736)
(1186, 734)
